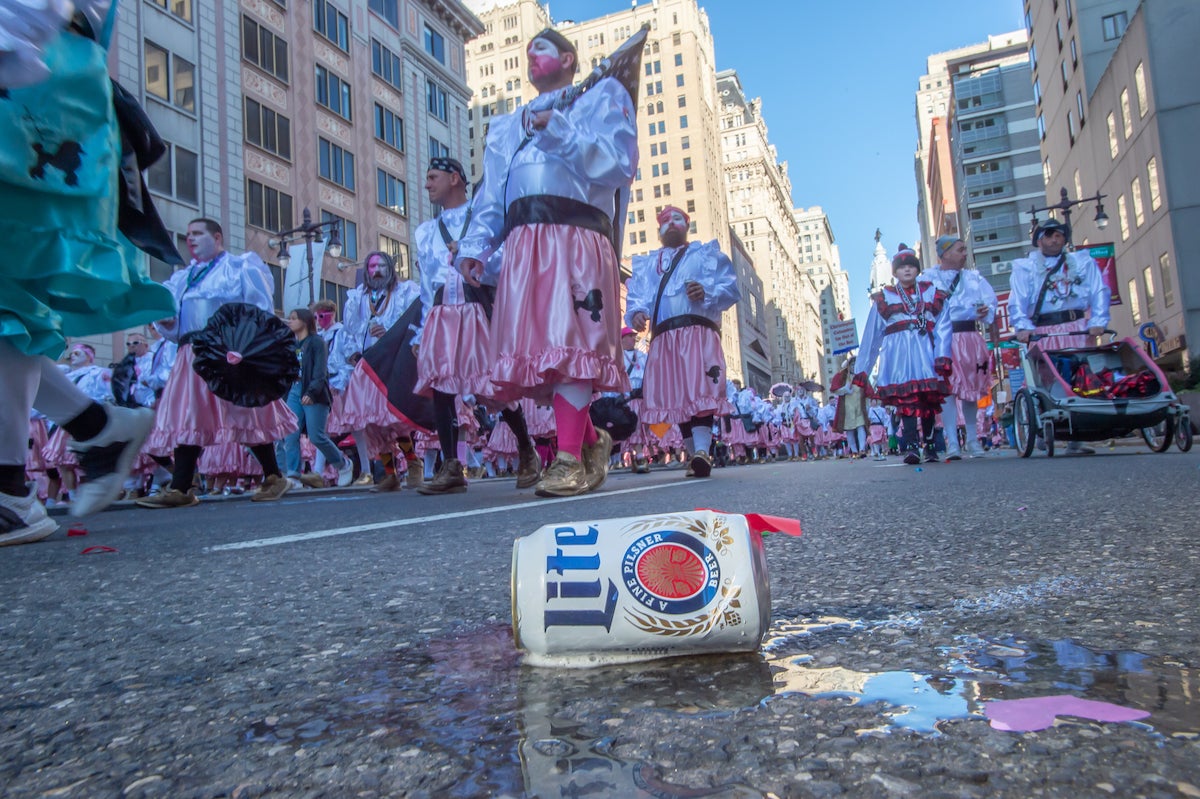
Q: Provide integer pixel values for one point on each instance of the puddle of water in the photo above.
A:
(468, 700)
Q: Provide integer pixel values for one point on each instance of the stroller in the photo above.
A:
(1093, 394)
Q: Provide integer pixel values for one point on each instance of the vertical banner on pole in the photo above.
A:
(298, 279)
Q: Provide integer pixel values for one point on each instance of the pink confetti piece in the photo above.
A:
(1038, 713)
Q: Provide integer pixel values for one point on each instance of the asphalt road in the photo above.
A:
(359, 645)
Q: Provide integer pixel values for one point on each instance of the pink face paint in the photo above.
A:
(675, 221)
(544, 59)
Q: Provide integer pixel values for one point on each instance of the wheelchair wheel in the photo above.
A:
(1025, 422)
(1159, 437)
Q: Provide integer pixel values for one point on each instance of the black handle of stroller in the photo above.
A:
(1112, 334)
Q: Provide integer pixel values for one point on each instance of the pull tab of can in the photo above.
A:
(762, 523)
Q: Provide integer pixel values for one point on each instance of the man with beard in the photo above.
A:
(970, 300)
(680, 290)
(372, 308)
(190, 416)
(551, 176)
(455, 344)
(1055, 291)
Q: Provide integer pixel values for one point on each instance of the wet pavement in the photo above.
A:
(381, 662)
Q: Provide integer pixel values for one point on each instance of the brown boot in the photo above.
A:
(415, 478)
(595, 459)
(274, 486)
(565, 477)
(449, 480)
(530, 469)
(390, 482)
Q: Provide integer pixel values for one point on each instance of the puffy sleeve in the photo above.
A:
(943, 329)
(639, 289)
(605, 146)
(487, 220)
(987, 295)
(720, 287)
(872, 338)
(258, 287)
(1019, 298)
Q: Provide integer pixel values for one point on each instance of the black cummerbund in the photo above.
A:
(686, 320)
(963, 327)
(547, 209)
(1058, 318)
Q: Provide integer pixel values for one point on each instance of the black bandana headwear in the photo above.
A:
(558, 40)
(1049, 226)
(448, 165)
(905, 256)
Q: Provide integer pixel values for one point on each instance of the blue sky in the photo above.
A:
(837, 80)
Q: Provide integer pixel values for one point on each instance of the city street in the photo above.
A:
(353, 644)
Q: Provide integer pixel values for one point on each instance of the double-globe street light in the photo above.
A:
(310, 232)
(1065, 204)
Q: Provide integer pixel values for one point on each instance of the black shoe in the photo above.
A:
(912, 458)
(931, 455)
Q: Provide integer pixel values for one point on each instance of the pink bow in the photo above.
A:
(233, 358)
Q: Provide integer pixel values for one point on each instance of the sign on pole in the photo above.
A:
(299, 282)
(843, 337)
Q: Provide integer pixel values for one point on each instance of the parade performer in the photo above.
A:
(454, 358)
(94, 381)
(680, 291)
(553, 178)
(908, 334)
(635, 369)
(1056, 291)
(190, 416)
(877, 415)
(372, 308)
(851, 415)
(970, 300)
(67, 271)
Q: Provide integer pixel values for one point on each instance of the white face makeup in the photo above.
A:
(544, 59)
(79, 357)
(201, 244)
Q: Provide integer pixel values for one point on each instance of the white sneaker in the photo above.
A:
(107, 459)
(345, 473)
(975, 450)
(23, 520)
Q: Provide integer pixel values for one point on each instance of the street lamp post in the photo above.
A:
(310, 232)
(1065, 204)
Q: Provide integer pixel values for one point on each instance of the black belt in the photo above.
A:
(963, 327)
(483, 295)
(547, 209)
(1058, 318)
(908, 324)
(685, 320)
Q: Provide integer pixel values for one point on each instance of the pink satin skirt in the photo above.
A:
(455, 354)
(365, 407)
(557, 317)
(501, 443)
(972, 375)
(685, 376)
(876, 434)
(35, 460)
(804, 427)
(55, 454)
(189, 413)
(226, 458)
(539, 419)
(1064, 342)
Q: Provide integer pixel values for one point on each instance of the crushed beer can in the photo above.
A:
(639, 588)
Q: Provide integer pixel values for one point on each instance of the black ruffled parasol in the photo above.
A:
(246, 355)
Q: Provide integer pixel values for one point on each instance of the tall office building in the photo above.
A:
(753, 366)
(822, 262)
(759, 195)
(992, 124)
(1117, 105)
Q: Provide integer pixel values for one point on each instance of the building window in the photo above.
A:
(1113, 148)
(1037, 91)
(388, 9)
(176, 174)
(1074, 54)
(686, 143)
(687, 164)
(1032, 58)
(180, 8)
(435, 45)
(1114, 25)
(267, 207)
(1135, 194)
(1167, 280)
(333, 92)
(1135, 308)
(1152, 180)
(399, 252)
(348, 233)
(679, 59)
(436, 101)
(1080, 107)
(689, 184)
(1071, 125)
(1041, 125)
(335, 164)
(264, 49)
(683, 101)
(683, 123)
(1148, 282)
(386, 65)
(1126, 117)
(176, 84)
(1123, 215)
(268, 129)
(679, 80)
(391, 193)
(691, 206)
(1066, 75)
(1139, 84)
(1078, 185)
(437, 149)
(331, 23)
(389, 128)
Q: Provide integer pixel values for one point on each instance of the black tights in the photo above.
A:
(188, 455)
(445, 418)
(515, 419)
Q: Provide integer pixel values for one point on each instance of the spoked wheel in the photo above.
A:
(1183, 434)
(1025, 423)
(1159, 437)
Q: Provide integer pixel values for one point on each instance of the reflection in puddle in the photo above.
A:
(467, 702)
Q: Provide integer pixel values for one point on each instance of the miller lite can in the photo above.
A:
(625, 590)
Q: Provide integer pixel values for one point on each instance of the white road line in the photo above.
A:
(363, 528)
